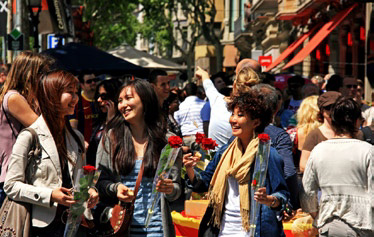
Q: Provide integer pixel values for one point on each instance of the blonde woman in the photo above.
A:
(219, 126)
(307, 117)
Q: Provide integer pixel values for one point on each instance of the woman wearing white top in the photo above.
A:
(342, 168)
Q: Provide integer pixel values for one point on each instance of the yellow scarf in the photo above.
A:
(233, 163)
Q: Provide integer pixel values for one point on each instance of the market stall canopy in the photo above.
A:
(144, 59)
(78, 58)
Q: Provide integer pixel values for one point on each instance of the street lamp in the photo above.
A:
(34, 18)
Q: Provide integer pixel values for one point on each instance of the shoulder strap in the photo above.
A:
(138, 181)
(368, 134)
(7, 118)
(35, 148)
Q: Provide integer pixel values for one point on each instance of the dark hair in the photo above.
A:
(267, 78)
(122, 146)
(270, 95)
(334, 83)
(168, 101)
(296, 79)
(111, 87)
(154, 74)
(221, 75)
(191, 89)
(344, 115)
(254, 105)
(50, 90)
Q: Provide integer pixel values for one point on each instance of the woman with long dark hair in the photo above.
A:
(106, 100)
(137, 136)
(49, 180)
(18, 103)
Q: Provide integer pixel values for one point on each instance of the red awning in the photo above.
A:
(320, 36)
(292, 47)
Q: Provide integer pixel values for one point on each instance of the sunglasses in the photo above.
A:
(103, 96)
(89, 81)
(351, 86)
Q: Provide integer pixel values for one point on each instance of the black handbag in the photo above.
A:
(15, 217)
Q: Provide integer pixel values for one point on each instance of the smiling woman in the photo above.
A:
(50, 179)
(132, 142)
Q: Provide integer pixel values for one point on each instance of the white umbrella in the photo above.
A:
(144, 59)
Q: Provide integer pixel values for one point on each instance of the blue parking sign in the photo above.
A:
(53, 41)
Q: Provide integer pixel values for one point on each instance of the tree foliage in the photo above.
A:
(113, 22)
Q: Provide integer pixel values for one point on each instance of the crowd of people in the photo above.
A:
(320, 162)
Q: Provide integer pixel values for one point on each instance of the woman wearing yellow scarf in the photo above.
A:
(228, 176)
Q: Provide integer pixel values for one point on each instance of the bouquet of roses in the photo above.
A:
(205, 145)
(88, 177)
(259, 176)
(167, 158)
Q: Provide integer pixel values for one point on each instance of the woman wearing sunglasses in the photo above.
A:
(106, 100)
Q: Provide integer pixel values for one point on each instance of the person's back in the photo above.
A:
(342, 169)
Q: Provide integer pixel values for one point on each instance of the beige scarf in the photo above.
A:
(236, 164)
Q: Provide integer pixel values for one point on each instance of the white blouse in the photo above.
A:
(343, 170)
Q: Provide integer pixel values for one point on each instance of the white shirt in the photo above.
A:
(188, 115)
(231, 224)
(219, 125)
(343, 169)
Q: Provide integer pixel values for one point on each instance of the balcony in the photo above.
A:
(299, 10)
(262, 7)
(242, 36)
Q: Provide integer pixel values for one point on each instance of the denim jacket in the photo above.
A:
(267, 222)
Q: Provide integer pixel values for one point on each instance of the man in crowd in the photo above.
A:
(281, 141)
(188, 115)
(161, 84)
(86, 112)
(295, 84)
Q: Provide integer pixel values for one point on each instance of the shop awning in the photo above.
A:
(320, 36)
(292, 47)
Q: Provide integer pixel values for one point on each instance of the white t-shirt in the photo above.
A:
(219, 125)
(231, 224)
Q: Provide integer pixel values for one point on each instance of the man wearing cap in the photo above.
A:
(323, 132)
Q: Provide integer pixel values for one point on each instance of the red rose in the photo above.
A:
(199, 137)
(254, 182)
(208, 144)
(89, 168)
(263, 137)
(175, 141)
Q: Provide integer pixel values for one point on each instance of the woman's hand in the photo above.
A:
(165, 186)
(111, 110)
(63, 196)
(268, 200)
(93, 199)
(190, 161)
(125, 194)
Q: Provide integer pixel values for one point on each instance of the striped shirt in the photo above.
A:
(188, 115)
(142, 203)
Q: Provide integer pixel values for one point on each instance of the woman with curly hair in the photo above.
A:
(227, 178)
